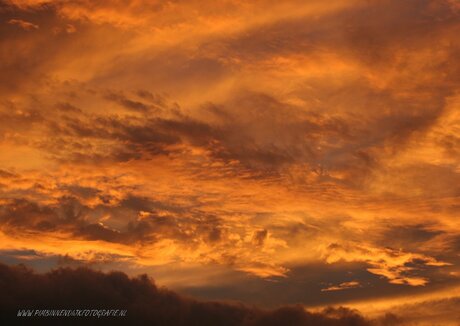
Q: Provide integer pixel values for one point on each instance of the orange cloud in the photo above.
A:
(28, 26)
(258, 139)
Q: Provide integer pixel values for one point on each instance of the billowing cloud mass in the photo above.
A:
(269, 152)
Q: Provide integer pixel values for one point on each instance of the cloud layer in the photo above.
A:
(145, 302)
(229, 146)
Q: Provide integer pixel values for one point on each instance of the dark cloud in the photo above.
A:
(127, 103)
(22, 213)
(259, 237)
(80, 191)
(264, 135)
(431, 312)
(413, 237)
(6, 175)
(145, 303)
(186, 226)
(306, 283)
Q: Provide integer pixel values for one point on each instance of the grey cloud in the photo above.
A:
(127, 103)
(146, 303)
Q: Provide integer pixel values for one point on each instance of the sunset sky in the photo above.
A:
(266, 152)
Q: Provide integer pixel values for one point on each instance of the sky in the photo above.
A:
(264, 152)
